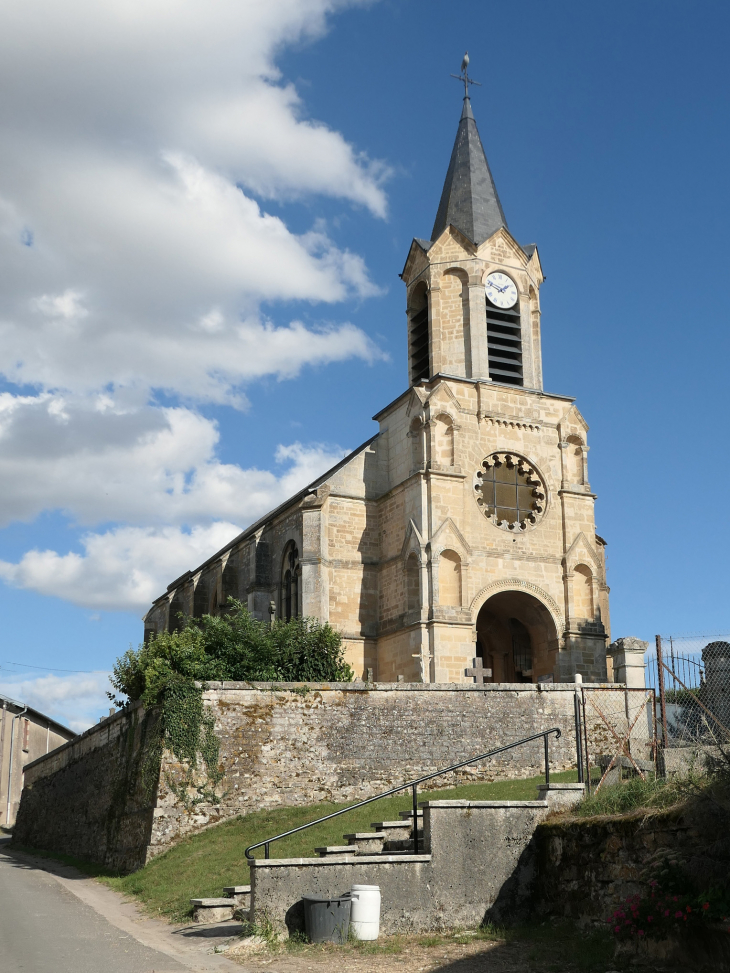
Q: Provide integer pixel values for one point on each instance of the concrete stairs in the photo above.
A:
(236, 898)
(388, 838)
(475, 859)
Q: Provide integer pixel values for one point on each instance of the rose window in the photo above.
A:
(509, 491)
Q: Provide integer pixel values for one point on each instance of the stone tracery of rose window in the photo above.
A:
(510, 492)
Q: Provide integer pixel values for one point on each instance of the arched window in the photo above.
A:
(416, 436)
(583, 592)
(418, 349)
(450, 579)
(290, 575)
(443, 441)
(413, 584)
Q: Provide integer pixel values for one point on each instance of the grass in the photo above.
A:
(632, 795)
(204, 863)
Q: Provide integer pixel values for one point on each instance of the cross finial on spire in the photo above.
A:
(464, 76)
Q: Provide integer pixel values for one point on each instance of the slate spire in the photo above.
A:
(469, 199)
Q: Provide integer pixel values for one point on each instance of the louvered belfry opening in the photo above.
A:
(418, 336)
(504, 342)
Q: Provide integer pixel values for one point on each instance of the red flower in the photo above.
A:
(706, 905)
(649, 918)
(678, 914)
(617, 929)
(641, 932)
(666, 912)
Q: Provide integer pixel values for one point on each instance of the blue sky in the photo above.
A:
(177, 188)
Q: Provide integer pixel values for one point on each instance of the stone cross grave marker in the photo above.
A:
(478, 671)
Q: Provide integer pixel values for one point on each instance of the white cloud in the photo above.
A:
(133, 137)
(133, 255)
(126, 567)
(76, 700)
(123, 569)
(100, 461)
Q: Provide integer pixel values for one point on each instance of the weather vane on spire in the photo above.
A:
(464, 76)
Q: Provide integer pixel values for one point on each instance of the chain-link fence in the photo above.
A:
(619, 731)
(691, 677)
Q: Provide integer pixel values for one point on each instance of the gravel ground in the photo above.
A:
(413, 957)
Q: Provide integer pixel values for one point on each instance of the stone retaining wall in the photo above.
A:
(94, 797)
(284, 745)
(588, 867)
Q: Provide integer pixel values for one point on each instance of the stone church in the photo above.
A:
(465, 527)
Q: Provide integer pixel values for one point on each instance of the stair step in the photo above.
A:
(240, 894)
(329, 850)
(393, 829)
(212, 910)
(408, 815)
(367, 842)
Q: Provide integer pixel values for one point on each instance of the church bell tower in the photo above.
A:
(481, 320)
(502, 558)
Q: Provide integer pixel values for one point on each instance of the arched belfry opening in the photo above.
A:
(516, 637)
(418, 344)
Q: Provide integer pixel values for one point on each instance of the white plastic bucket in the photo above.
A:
(365, 913)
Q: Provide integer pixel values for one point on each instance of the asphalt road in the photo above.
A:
(44, 928)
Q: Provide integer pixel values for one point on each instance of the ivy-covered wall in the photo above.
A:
(279, 744)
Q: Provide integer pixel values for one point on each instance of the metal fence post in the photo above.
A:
(662, 696)
(547, 759)
(578, 737)
(588, 756)
(415, 819)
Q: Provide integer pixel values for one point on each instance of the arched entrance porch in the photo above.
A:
(516, 637)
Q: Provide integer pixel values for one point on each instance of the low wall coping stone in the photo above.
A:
(409, 687)
(335, 862)
(497, 804)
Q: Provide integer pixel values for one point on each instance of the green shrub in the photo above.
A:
(163, 673)
(231, 646)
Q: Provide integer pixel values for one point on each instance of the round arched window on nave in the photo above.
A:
(510, 492)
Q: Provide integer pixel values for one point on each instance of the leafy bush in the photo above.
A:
(231, 646)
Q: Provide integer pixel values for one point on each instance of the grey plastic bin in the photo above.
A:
(327, 919)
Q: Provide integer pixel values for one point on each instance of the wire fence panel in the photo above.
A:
(691, 675)
(619, 734)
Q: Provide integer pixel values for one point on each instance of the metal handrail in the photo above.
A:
(413, 785)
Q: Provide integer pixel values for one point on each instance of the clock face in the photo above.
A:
(501, 290)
